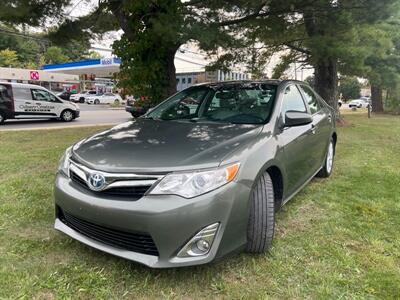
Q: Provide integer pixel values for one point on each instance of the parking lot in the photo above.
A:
(90, 115)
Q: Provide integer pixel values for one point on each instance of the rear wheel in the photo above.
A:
(2, 118)
(81, 100)
(260, 229)
(326, 170)
(97, 101)
(67, 115)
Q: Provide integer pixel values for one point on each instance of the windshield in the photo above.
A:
(235, 103)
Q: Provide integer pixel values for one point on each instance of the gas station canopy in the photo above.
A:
(105, 67)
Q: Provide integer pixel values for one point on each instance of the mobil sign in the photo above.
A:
(34, 75)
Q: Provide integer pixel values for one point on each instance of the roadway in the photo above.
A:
(91, 115)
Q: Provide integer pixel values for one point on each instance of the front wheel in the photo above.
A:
(260, 229)
(116, 102)
(67, 115)
(327, 168)
(97, 101)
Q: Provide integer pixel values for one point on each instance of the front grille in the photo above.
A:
(78, 180)
(136, 242)
(131, 192)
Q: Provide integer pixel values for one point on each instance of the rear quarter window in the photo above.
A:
(5, 93)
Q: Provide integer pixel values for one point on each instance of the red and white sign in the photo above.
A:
(34, 75)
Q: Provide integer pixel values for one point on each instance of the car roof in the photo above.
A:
(22, 85)
(238, 82)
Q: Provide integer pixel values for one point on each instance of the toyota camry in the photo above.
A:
(198, 177)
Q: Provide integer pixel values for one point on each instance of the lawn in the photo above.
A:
(339, 238)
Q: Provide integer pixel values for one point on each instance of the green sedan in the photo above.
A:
(198, 177)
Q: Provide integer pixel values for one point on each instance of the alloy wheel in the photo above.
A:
(67, 116)
(329, 158)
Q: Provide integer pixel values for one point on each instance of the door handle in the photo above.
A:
(26, 102)
(38, 103)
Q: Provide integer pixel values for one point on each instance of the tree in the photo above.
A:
(321, 33)
(8, 58)
(17, 14)
(94, 55)
(55, 55)
(350, 88)
(30, 12)
(324, 33)
(384, 64)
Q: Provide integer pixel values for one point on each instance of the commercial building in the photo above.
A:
(52, 81)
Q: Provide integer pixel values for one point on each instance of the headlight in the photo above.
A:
(64, 161)
(192, 184)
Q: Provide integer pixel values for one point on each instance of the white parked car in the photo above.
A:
(360, 103)
(80, 97)
(107, 98)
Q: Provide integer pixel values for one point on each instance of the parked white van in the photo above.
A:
(29, 101)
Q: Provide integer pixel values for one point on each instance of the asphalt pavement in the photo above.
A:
(91, 115)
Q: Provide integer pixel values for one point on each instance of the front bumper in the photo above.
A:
(77, 113)
(171, 221)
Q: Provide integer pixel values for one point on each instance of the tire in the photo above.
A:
(2, 118)
(67, 115)
(81, 100)
(260, 229)
(96, 101)
(327, 168)
(116, 102)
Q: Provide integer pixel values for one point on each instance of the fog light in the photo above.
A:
(201, 243)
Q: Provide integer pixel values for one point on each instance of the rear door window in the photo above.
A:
(311, 99)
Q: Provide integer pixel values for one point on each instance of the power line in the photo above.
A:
(27, 36)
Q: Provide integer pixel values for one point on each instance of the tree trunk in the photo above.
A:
(171, 71)
(326, 80)
(377, 98)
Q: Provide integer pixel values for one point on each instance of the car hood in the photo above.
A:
(146, 145)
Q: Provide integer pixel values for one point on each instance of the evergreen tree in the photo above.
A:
(324, 33)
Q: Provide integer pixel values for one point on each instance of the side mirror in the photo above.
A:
(297, 118)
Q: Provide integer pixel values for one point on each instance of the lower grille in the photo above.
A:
(136, 242)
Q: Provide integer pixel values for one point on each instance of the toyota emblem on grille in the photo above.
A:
(96, 182)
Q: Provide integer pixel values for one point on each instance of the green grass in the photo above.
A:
(339, 238)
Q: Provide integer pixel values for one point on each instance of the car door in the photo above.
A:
(6, 101)
(46, 104)
(295, 141)
(109, 98)
(23, 102)
(321, 127)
